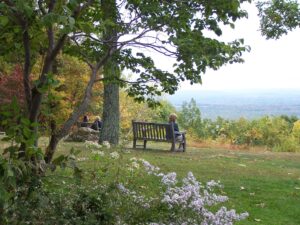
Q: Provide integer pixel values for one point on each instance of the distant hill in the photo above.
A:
(241, 103)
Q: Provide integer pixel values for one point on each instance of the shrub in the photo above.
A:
(114, 189)
(287, 144)
(296, 130)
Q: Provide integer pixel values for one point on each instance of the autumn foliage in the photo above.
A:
(11, 85)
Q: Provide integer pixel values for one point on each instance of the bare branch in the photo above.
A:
(85, 57)
(26, 72)
(160, 49)
(99, 80)
(83, 35)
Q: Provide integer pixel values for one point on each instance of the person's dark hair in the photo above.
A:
(85, 118)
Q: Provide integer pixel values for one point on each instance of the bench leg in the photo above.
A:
(173, 146)
(145, 144)
(183, 142)
(134, 143)
(180, 146)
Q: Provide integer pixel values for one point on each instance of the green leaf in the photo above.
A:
(9, 172)
(6, 139)
(11, 149)
(71, 22)
(74, 151)
(25, 121)
(77, 173)
(58, 161)
(3, 20)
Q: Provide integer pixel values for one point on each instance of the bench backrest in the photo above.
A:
(153, 131)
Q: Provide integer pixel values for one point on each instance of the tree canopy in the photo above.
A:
(278, 17)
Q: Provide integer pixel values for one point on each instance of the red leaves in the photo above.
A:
(11, 85)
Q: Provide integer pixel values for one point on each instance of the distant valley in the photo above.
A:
(241, 103)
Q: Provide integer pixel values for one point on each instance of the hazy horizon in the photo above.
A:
(233, 104)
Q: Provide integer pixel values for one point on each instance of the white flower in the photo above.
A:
(123, 189)
(169, 179)
(106, 144)
(150, 169)
(92, 145)
(101, 153)
(223, 217)
(114, 155)
(81, 159)
(139, 199)
(189, 195)
(211, 184)
(135, 165)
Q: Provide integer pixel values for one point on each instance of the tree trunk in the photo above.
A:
(111, 111)
(50, 150)
(34, 95)
(57, 135)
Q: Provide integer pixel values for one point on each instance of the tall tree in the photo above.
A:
(113, 35)
(111, 111)
(42, 27)
(174, 29)
(11, 85)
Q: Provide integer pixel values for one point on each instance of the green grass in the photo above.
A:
(265, 184)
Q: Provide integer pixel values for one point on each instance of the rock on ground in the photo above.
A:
(83, 134)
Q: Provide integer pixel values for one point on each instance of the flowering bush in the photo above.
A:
(115, 189)
(187, 203)
(154, 197)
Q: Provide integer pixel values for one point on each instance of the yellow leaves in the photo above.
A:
(72, 75)
(131, 110)
(253, 134)
(296, 129)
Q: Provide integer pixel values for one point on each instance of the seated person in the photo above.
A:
(172, 119)
(85, 121)
(97, 125)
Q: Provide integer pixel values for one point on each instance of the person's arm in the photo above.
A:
(176, 128)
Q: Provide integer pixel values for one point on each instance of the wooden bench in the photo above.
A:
(160, 132)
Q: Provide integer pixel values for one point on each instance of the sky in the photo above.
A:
(271, 64)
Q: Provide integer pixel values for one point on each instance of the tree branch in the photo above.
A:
(27, 62)
(85, 57)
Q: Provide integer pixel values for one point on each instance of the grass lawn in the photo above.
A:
(266, 184)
